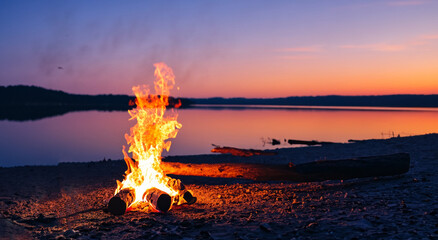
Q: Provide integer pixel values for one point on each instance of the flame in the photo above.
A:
(149, 137)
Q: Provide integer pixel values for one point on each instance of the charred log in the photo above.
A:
(308, 143)
(356, 141)
(184, 196)
(374, 166)
(120, 202)
(275, 142)
(189, 198)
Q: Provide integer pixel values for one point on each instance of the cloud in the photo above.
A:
(300, 52)
(407, 3)
(379, 47)
(304, 49)
(429, 37)
(420, 40)
(424, 40)
(379, 4)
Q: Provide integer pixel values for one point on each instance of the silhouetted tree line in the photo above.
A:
(30, 102)
(20, 103)
(402, 100)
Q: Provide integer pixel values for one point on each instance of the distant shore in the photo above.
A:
(397, 100)
(21, 95)
(23, 103)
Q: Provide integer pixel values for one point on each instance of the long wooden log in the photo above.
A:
(241, 152)
(386, 165)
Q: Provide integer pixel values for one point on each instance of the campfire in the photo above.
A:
(145, 180)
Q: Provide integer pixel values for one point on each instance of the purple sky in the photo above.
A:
(223, 48)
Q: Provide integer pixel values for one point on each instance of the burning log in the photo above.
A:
(240, 152)
(120, 202)
(185, 196)
(158, 200)
(374, 166)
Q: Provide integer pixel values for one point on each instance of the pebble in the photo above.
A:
(266, 227)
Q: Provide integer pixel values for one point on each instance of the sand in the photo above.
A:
(35, 200)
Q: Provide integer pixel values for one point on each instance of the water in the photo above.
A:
(93, 136)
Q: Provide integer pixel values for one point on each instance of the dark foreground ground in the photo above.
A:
(46, 202)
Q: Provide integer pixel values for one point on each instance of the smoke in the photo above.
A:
(96, 46)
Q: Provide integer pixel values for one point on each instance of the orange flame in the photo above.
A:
(149, 137)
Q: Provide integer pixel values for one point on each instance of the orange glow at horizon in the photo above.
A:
(327, 74)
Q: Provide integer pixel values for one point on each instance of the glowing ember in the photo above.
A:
(148, 138)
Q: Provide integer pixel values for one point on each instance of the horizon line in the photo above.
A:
(290, 96)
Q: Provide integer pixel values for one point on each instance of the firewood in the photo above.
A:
(120, 202)
(158, 200)
(184, 195)
(374, 166)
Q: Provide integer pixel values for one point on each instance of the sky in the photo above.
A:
(223, 48)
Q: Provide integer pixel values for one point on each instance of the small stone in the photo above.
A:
(311, 224)
(71, 233)
(403, 204)
(185, 223)
(198, 223)
(237, 236)
(204, 235)
(265, 227)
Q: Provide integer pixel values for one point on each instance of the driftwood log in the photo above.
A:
(308, 143)
(374, 166)
(240, 151)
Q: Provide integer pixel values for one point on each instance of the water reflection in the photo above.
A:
(93, 136)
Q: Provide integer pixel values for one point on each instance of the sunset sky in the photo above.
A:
(223, 48)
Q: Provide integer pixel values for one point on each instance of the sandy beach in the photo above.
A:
(66, 201)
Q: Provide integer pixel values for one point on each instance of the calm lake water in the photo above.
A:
(93, 136)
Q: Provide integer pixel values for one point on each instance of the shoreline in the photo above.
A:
(296, 155)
